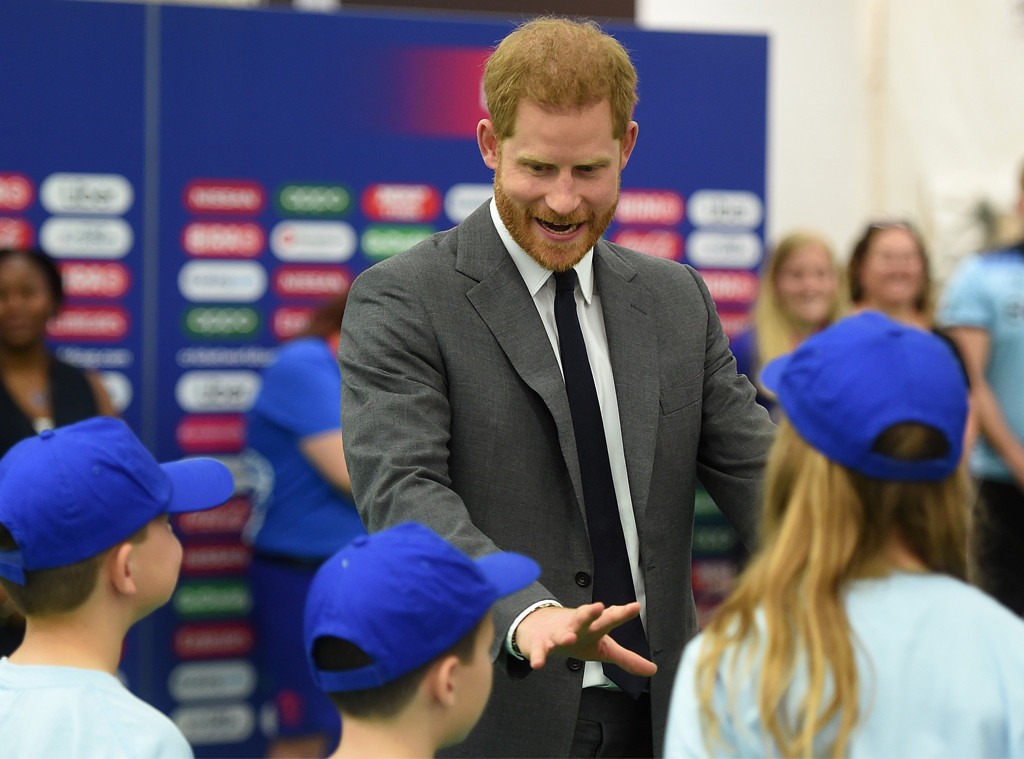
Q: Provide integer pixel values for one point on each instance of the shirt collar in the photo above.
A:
(534, 275)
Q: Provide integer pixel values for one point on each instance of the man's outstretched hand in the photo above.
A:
(581, 633)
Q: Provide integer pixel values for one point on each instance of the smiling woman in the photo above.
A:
(889, 272)
(799, 295)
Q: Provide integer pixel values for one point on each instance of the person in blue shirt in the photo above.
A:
(982, 309)
(302, 514)
(852, 632)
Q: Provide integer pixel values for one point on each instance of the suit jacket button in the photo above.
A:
(582, 579)
(574, 665)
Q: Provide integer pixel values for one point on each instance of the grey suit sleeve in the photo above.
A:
(397, 419)
(736, 433)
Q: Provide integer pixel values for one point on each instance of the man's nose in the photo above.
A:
(563, 197)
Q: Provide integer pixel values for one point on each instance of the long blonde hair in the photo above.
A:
(775, 328)
(824, 526)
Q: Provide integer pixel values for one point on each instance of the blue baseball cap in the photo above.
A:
(70, 493)
(846, 385)
(404, 596)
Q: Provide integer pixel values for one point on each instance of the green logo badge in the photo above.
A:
(226, 598)
(381, 241)
(222, 323)
(314, 199)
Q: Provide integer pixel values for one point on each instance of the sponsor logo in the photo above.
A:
(89, 323)
(462, 199)
(215, 640)
(401, 202)
(720, 208)
(311, 281)
(313, 241)
(15, 233)
(222, 433)
(93, 358)
(119, 388)
(739, 287)
(222, 281)
(215, 724)
(95, 280)
(660, 243)
(226, 391)
(16, 192)
(314, 199)
(214, 559)
(289, 321)
(723, 250)
(109, 194)
(224, 196)
(203, 321)
(207, 681)
(68, 237)
(649, 207)
(379, 241)
(250, 355)
(225, 598)
(225, 239)
(228, 519)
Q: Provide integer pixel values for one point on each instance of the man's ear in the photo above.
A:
(119, 568)
(488, 143)
(627, 143)
(442, 680)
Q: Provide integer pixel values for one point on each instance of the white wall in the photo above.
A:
(882, 108)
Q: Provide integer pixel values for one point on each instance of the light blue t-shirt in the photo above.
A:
(941, 673)
(987, 291)
(75, 713)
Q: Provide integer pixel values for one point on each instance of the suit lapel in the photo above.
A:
(633, 348)
(504, 304)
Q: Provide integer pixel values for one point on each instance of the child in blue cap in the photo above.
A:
(852, 631)
(398, 632)
(86, 550)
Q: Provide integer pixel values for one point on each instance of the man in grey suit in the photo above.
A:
(456, 413)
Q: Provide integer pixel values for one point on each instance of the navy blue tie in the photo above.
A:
(613, 582)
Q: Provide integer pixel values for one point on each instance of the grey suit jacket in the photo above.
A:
(455, 414)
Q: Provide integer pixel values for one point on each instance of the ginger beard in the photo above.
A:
(524, 224)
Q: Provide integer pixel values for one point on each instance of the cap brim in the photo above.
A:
(198, 484)
(771, 374)
(508, 572)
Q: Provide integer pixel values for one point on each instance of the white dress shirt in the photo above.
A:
(541, 284)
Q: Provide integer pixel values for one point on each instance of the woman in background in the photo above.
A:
(799, 295)
(851, 632)
(38, 391)
(302, 514)
(889, 272)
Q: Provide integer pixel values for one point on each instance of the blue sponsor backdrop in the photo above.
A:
(272, 156)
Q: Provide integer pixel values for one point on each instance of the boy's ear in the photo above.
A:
(119, 568)
(442, 680)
